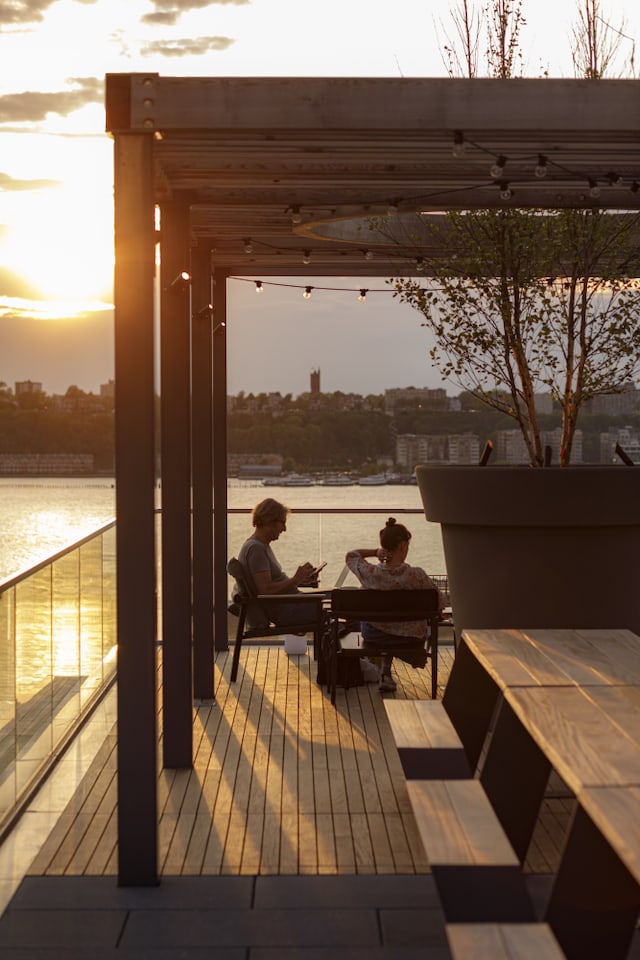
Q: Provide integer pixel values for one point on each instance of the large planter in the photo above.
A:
(545, 548)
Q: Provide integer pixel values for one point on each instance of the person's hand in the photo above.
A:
(382, 555)
(304, 573)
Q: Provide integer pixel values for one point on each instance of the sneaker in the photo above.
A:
(387, 684)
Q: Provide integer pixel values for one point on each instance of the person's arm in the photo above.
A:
(363, 552)
(265, 585)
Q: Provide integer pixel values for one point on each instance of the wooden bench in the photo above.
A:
(426, 740)
(476, 870)
(502, 941)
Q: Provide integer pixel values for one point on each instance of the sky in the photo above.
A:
(56, 183)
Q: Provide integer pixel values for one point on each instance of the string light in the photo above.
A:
(392, 208)
(594, 189)
(635, 186)
(419, 264)
(259, 287)
(296, 216)
(306, 256)
(615, 180)
(540, 170)
(505, 190)
(497, 168)
(363, 295)
(307, 293)
(368, 254)
(247, 246)
(458, 144)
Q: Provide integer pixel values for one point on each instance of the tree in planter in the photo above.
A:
(525, 300)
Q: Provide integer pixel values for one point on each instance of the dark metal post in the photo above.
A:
(220, 628)
(175, 352)
(202, 472)
(135, 488)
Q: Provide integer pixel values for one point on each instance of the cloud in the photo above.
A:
(168, 12)
(9, 184)
(23, 11)
(13, 285)
(184, 48)
(33, 106)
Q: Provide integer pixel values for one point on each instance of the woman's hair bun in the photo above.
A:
(390, 522)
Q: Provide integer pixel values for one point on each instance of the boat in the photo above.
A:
(338, 480)
(298, 480)
(375, 480)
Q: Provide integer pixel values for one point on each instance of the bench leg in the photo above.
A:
(433, 647)
(470, 698)
(595, 901)
(514, 775)
(477, 894)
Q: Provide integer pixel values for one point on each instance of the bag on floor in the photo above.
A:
(349, 669)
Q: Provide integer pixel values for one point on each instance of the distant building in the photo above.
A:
(108, 389)
(615, 404)
(511, 448)
(254, 465)
(45, 464)
(27, 386)
(315, 382)
(414, 448)
(416, 398)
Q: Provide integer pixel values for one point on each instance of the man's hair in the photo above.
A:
(268, 511)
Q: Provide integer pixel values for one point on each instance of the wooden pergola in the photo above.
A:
(248, 176)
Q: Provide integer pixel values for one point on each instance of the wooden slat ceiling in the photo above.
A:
(281, 166)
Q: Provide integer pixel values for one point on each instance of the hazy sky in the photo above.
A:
(56, 220)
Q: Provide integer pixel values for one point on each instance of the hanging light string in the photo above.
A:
(307, 288)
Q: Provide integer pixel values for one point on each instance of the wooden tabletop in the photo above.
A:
(522, 658)
(590, 739)
(614, 810)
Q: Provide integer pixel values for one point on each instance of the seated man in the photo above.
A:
(269, 519)
(392, 572)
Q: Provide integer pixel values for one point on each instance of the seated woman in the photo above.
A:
(269, 519)
(392, 572)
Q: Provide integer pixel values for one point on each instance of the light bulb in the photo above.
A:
(247, 246)
(497, 168)
(458, 144)
(594, 189)
(505, 190)
(540, 170)
(306, 256)
(420, 265)
(392, 208)
(259, 287)
(296, 216)
(363, 296)
(368, 254)
(307, 293)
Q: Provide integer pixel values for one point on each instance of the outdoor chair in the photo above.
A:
(381, 606)
(253, 612)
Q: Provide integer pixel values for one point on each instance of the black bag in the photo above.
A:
(349, 671)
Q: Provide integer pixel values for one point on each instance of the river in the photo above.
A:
(42, 516)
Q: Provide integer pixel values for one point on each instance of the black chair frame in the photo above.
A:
(381, 606)
(247, 603)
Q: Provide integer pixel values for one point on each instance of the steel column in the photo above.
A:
(135, 488)
(175, 353)
(220, 628)
(202, 472)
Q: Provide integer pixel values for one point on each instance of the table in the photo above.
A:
(567, 700)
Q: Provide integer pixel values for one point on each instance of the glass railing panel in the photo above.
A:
(34, 673)
(91, 591)
(65, 643)
(57, 650)
(109, 609)
(7, 699)
(327, 535)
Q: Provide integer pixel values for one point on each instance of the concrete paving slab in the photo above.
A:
(346, 892)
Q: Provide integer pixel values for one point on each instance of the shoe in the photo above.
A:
(387, 684)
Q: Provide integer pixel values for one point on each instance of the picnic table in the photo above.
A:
(525, 702)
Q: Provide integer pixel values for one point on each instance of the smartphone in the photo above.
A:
(318, 569)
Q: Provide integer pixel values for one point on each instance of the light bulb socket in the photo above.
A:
(458, 148)
(363, 295)
(307, 293)
(247, 246)
(259, 287)
(497, 168)
(306, 256)
(540, 170)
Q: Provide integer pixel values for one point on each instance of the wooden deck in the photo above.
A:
(282, 783)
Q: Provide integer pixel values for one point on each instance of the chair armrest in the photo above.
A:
(289, 597)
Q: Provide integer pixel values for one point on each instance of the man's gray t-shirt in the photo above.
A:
(258, 557)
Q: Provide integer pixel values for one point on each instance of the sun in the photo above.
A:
(59, 238)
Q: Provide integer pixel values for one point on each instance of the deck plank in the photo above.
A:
(282, 783)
